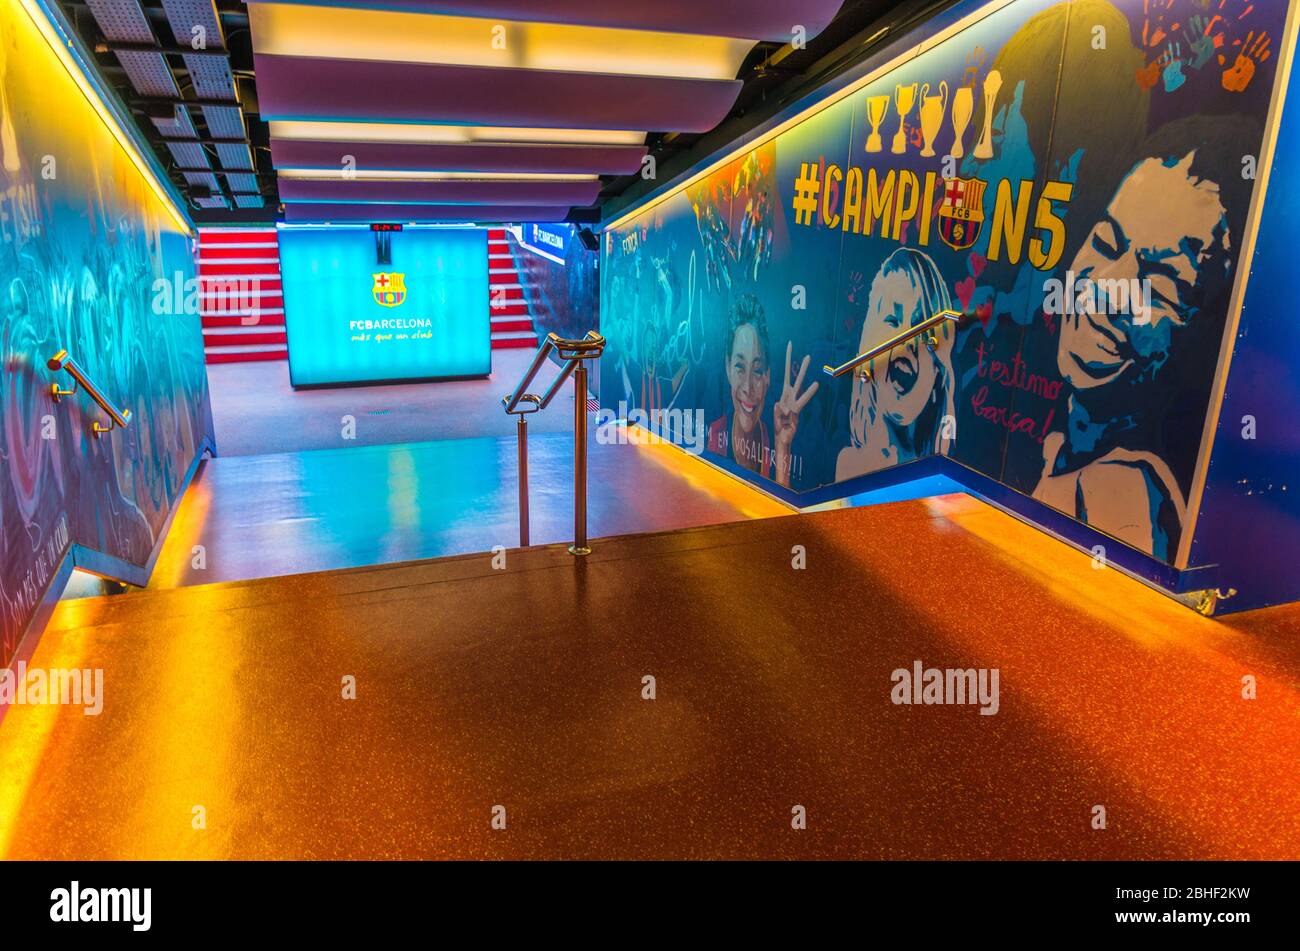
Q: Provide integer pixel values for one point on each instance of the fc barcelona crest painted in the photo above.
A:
(961, 217)
(389, 289)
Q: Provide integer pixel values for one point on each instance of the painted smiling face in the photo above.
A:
(906, 375)
(1155, 237)
(749, 376)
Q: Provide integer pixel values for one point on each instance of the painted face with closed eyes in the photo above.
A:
(1157, 236)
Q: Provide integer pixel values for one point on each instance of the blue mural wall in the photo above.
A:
(1250, 511)
(84, 241)
(1072, 176)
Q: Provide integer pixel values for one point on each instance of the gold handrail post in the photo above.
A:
(579, 546)
(522, 428)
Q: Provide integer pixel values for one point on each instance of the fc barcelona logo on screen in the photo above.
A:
(962, 214)
(389, 289)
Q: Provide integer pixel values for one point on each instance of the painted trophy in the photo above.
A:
(877, 106)
(933, 109)
(904, 98)
(963, 105)
(992, 83)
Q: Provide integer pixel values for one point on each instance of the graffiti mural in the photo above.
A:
(83, 239)
(1074, 177)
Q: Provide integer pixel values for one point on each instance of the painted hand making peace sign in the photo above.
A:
(785, 414)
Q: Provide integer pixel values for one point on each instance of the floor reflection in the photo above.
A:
(261, 516)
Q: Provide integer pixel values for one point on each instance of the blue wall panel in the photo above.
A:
(1249, 522)
(94, 262)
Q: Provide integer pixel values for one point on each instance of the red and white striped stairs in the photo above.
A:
(512, 325)
(241, 298)
(242, 303)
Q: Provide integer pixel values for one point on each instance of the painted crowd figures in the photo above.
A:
(933, 109)
(963, 105)
(877, 106)
(904, 99)
(992, 83)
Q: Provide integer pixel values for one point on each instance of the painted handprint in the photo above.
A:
(1253, 51)
(1153, 25)
(785, 414)
(1149, 74)
(976, 59)
(1200, 41)
(1173, 71)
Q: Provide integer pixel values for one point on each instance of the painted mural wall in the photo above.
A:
(1074, 176)
(83, 239)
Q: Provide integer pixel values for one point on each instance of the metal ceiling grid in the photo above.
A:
(224, 122)
(179, 127)
(241, 181)
(205, 179)
(189, 154)
(234, 156)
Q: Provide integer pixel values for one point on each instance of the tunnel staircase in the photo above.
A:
(671, 695)
(512, 324)
(241, 297)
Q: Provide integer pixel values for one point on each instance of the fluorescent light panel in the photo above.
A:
(390, 36)
(386, 175)
(420, 134)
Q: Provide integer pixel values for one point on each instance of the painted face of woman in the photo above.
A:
(749, 376)
(905, 376)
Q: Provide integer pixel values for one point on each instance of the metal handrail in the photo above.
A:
(570, 351)
(119, 418)
(574, 354)
(925, 326)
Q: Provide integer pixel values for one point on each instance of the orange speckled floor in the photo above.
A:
(522, 687)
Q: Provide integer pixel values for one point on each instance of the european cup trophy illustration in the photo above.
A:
(963, 105)
(992, 83)
(904, 97)
(877, 106)
(933, 109)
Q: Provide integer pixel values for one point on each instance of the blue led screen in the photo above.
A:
(378, 307)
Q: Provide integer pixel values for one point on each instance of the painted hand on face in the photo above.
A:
(786, 412)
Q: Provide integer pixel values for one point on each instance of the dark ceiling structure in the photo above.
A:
(457, 110)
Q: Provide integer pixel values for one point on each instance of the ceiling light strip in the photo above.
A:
(384, 175)
(331, 32)
(66, 50)
(708, 166)
(438, 134)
